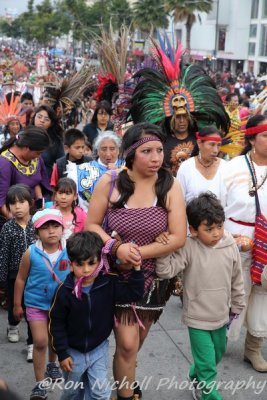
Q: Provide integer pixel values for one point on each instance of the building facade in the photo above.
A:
(232, 36)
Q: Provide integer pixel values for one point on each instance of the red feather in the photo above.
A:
(103, 81)
(171, 71)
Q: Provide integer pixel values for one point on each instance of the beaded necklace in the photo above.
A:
(257, 186)
(203, 165)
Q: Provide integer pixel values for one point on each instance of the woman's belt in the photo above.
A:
(242, 222)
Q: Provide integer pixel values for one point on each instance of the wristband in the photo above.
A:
(115, 247)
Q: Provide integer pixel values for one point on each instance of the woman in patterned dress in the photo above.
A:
(143, 201)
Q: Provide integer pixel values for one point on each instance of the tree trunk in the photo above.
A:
(188, 27)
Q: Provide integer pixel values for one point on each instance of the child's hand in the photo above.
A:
(18, 313)
(129, 253)
(232, 316)
(163, 238)
(66, 365)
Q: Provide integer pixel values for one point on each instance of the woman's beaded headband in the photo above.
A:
(141, 141)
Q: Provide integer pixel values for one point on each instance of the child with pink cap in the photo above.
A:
(43, 267)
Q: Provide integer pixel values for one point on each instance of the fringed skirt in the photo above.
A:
(150, 308)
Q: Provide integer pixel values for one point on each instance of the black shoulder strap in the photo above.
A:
(258, 209)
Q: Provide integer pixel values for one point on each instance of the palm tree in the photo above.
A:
(149, 14)
(184, 10)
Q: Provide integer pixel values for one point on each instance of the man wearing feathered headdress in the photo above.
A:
(182, 98)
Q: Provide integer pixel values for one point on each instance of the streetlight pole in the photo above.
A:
(216, 34)
(216, 28)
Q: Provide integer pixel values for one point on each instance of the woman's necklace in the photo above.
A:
(203, 165)
(257, 186)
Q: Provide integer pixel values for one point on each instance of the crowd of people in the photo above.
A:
(96, 212)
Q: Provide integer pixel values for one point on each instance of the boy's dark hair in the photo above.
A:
(18, 192)
(26, 96)
(82, 246)
(205, 207)
(73, 134)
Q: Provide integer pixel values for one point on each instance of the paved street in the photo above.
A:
(162, 364)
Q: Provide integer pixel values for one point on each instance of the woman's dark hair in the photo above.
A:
(33, 137)
(124, 183)
(255, 120)
(10, 94)
(104, 105)
(55, 130)
(204, 132)
(205, 207)
(229, 97)
(245, 103)
(82, 246)
(67, 185)
(19, 192)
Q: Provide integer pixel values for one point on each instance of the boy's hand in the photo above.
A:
(18, 313)
(232, 316)
(66, 365)
(163, 238)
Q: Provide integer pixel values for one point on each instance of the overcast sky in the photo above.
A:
(15, 6)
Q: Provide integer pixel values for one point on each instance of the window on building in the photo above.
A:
(264, 9)
(221, 39)
(251, 49)
(253, 31)
(254, 8)
(263, 42)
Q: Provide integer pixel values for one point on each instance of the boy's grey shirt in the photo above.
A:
(213, 281)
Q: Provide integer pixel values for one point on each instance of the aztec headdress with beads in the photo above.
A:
(12, 111)
(176, 89)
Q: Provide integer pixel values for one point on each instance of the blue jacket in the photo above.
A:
(84, 324)
(91, 131)
(41, 285)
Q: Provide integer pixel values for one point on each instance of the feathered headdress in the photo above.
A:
(12, 111)
(66, 92)
(112, 84)
(176, 89)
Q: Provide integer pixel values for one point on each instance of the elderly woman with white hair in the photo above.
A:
(107, 147)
